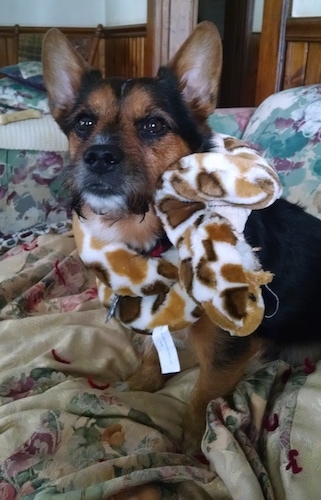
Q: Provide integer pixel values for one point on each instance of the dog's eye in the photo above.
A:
(84, 125)
(155, 126)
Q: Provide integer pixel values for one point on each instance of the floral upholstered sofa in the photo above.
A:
(66, 429)
(286, 130)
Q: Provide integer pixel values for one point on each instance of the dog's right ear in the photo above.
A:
(63, 68)
(198, 65)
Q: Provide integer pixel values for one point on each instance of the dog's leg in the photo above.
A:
(148, 376)
(222, 363)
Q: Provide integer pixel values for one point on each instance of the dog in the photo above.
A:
(123, 134)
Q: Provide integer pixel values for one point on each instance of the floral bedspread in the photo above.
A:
(68, 432)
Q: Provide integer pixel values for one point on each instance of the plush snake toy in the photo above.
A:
(206, 265)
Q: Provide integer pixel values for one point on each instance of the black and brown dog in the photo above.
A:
(123, 134)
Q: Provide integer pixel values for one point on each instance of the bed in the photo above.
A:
(69, 429)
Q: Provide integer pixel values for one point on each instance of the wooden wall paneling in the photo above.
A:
(169, 22)
(272, 48)
(303, 52)
(20, 43)
(313, 67)
(125, 51)
(8, 45)
(115, 51)
(290, 50)
(137, 47)
(295, 64)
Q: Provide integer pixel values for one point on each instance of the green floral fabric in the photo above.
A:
(31, 189)
(286, 128)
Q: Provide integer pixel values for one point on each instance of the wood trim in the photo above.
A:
(156, 31)
(303, 29)
(295, 64)
(272, 48)
(10, 31)
(135, 30)
(167, 29)
(105, 32)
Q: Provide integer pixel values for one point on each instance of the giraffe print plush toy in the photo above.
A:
(203, 202)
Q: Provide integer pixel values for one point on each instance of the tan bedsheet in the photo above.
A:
(66, 433)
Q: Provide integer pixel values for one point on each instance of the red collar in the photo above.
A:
(162, 245)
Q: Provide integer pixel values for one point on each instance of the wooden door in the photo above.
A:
(169, 22)
(272, 48)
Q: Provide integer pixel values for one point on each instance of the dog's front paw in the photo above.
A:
(139, 382)
(147, 378)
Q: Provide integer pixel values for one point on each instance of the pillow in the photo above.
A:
(28, 72)
(286, 129)
(17, 96)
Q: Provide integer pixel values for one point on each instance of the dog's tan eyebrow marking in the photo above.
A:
(103, 102)
(139, 104)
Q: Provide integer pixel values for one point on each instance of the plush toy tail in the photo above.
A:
(249, 299)
(220, 271)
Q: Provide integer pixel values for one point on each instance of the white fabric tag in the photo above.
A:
(167, 353)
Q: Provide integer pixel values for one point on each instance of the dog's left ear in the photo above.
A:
(63, 68)
(198, 65)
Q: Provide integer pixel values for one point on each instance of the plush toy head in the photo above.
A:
(203, 202)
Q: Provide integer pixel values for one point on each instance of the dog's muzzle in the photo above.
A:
(101, 158)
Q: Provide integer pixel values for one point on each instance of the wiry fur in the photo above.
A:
(120, 116)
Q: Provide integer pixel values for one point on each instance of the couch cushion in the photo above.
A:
(286, 129)
(31, 189)
(230, 121)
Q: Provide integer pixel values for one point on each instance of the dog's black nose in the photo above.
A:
(101, 158)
